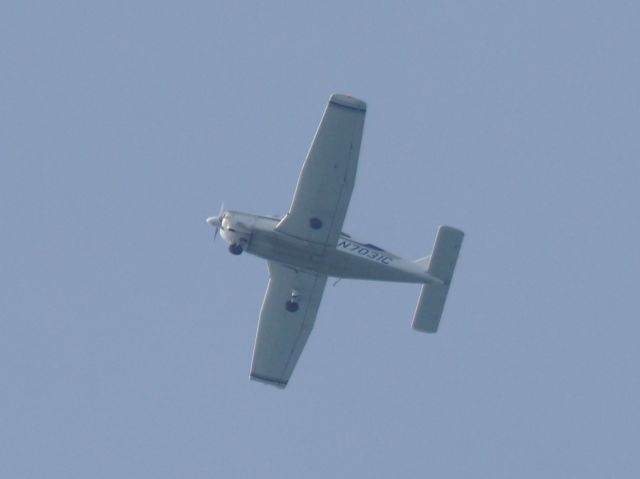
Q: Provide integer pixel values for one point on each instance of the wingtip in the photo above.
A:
(348, 101)
(267, 380)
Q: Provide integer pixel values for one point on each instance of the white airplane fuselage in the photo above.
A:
(348, 259)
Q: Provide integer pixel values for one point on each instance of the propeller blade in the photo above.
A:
(216, 221)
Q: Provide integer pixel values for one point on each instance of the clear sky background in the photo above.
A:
(126, 333)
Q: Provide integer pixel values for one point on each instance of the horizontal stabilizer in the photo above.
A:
(441, 265)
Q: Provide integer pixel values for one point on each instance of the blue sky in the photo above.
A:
(126, 334)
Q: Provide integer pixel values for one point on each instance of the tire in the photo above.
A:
(235, 249)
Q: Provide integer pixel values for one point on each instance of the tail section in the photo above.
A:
(441, 265)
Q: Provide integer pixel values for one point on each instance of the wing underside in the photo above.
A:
(282, 334)
(316, 215)
(326, 181)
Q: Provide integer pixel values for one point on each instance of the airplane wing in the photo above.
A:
(328, 174)
(282, 334)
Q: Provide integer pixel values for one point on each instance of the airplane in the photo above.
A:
(307, 246)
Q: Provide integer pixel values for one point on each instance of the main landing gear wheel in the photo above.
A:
(291, 306)
(235, 249)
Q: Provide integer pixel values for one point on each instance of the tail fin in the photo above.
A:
(441, 265)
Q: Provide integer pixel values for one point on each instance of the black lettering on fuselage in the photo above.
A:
(360, 250)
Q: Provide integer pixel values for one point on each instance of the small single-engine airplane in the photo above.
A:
(307, 245)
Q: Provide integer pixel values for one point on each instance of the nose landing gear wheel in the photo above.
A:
(291, 306)
(235, 249)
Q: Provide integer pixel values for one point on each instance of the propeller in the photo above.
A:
(216, 221)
